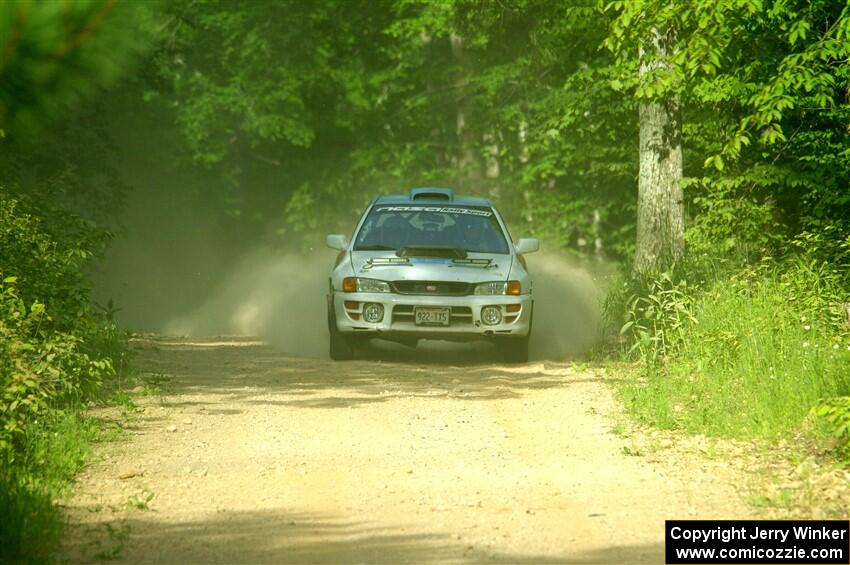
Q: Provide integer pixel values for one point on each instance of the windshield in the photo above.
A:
(471, 228)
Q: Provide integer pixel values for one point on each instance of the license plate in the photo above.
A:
(432, 316)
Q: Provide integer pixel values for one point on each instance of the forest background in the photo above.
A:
(276, 122)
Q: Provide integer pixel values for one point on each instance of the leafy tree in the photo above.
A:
(56, 55)
(760, 109)
(377, 109)
(270, 93)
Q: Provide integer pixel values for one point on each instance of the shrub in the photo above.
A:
(51, 341)
(55, 350)
(46, 250)
(658, 312)
(835, 417)
(40, 368)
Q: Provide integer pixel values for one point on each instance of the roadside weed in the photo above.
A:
(156, 384)
(118, 536)
(123, 399)
(631, 451)
(139, 501)
(834, 417)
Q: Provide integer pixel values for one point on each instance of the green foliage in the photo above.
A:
(56, 55)
(54, 349)
(37, 367)
(732, 223)
(72, 167)
(54, 352)
(751, 354)
(835, 415)
(818, 281)
(45, 249)
(30, 525)
(248, 81)
(659, 314)
(299, 112)
(303, 130)
(53, 449)
(763, 87)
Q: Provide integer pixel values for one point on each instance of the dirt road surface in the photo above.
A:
(255, 456)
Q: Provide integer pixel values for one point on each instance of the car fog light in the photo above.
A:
(373, 313)
(491, 315)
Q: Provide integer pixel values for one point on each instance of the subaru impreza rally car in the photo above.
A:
(430, 266)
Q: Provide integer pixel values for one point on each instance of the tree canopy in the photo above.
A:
(305, 110)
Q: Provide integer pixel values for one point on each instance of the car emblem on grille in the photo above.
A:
(431, 287)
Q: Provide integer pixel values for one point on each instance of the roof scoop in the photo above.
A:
(442, 194)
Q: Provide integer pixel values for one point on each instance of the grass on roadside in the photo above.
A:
(54, 450)
(753, 364)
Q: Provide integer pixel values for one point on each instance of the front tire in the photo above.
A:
(341, 347)
(516, 349)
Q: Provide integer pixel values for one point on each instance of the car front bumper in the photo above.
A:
(399, 321)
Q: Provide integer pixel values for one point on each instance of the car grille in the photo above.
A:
(461, 315)
(433, 288)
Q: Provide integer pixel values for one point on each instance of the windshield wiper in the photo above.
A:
(375, 247)
(444, 252)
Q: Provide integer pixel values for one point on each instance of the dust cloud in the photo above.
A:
(271, 294)
(567, 305)
(280, 297)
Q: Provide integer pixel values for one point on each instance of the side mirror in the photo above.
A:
(527, 245)
(337, 241)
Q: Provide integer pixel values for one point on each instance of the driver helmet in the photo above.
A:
(474, 232)
(393, 230)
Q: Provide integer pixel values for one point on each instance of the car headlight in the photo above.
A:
(513, 288)
(356, 284)
(490, 288)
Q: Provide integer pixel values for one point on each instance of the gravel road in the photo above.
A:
(256, 456)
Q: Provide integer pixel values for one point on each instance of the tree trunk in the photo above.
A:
(660, 217)
(491, 170)
(468, 161)
(492, 167)
(598, 251)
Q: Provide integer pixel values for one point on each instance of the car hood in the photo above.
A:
(368, 264)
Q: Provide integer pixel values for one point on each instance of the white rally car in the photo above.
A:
(430, 266)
